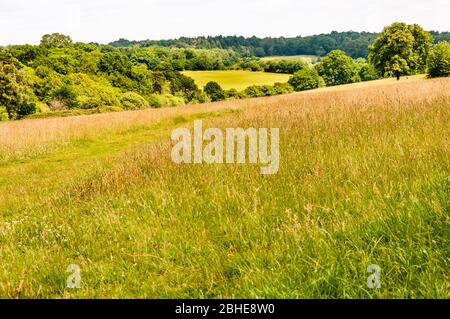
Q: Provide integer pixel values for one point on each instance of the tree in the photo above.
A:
(55, 40)
(439, 60)
(214, 91)
(400, 49)
(366, 71)
(16, 93)
(338, 68)
(115, 62)
(305, 79)
(182, 83)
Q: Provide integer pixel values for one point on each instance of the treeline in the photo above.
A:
(276, 66)
(355, 44)
(60, 75)
(401, 49)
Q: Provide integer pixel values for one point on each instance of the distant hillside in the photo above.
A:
(353, 43)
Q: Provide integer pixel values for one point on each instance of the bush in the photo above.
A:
(133, 101)
(306, 79)
(253, 91)
(64, 98)
(284, 66)
(367, 72)
(200, 97)
(232, 94)
(214, 91)
(157, 101)
(283, 88)
(91, 93)
(439, 60)
(3, 114)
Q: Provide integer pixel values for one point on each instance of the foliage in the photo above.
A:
(439, 60)
(338, 68)
(92, 93)
(354, 43)
(162, 100)
(232, 94)
(366, 71)
(214, 91)
(306, 79)
(133, 101)
(400, 49)
(55, 40)
(284, 66)
(65, 75)
(16, 92)
(266, 90)
(282, 88)
(3, 114)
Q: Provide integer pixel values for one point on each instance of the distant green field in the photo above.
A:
(238, 80)
(306, 58)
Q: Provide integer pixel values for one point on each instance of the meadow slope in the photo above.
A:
(364, 179)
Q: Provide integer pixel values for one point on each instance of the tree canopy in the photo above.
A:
(338, 68)
(401, 49)
(439, 60)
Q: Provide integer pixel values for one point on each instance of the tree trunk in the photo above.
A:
(398, 76)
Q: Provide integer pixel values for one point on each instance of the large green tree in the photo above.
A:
(338, 68)
(401, 49)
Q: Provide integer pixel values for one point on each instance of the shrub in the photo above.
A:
(367, 72)
(305, 79)
(200, 97)
(439, 60)
(16, 93)
(92, 93)
(214, 91)
(157, 101)
(283, 88)
(64, 98)
(253, 91)
(133, 101)
(232, 94)
(284, 66)
(174, 100)
(3, 114)
(267, 90)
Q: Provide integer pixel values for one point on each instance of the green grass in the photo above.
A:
(238, 80)
(364, 179)
(311, 59)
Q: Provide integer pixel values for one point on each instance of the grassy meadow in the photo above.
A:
(364, 179)
(238, 79)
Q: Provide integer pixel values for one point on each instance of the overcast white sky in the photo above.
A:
(25, 21)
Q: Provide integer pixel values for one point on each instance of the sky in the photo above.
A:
(103, 21)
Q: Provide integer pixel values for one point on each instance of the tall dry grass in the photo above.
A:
(28, 138)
